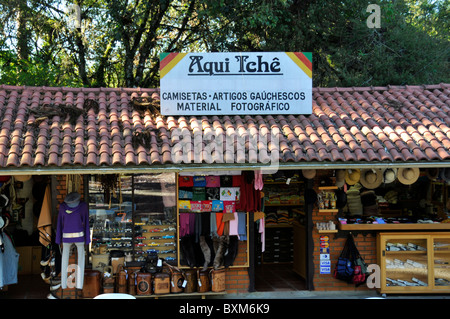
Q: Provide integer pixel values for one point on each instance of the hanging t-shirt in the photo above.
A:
(199, 181)
(199, 193)
(9, 262)
(212, 193)
(185, 181)
(212, 181)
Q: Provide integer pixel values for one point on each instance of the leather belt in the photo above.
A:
(73, 235)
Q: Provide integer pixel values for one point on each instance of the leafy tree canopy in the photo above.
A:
(116, 43)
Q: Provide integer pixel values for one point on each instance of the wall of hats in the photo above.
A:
(394, 195)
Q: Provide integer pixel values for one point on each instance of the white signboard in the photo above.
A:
(245, 83)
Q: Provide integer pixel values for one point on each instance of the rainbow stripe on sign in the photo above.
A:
(168, 61)
(303, 60)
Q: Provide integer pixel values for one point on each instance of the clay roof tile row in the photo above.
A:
(369, 124)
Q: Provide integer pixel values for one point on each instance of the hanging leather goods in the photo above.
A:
(203, 282)
(218, 280)
(132, 283)
(161, 283)
(176, 280)
(191, 281)
(143, 283)
(121, 280)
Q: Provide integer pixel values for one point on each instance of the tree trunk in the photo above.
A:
(23, 50)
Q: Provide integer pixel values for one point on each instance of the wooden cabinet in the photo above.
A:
(29, 260)
(414, 262)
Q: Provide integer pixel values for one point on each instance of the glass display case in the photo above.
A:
(134, 214)
(441, 261)
(414, 262)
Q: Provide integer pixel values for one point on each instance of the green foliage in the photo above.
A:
(118, 42)
(35, 72)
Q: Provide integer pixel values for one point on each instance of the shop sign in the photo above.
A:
(243, 83)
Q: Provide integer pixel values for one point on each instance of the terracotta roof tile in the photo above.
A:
(372, 124)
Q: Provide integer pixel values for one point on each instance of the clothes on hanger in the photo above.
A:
(213, 224)
(9, 262)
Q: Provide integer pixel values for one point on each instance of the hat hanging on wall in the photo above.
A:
(433, 173)
(340, 177)
(352, 176)
(408, 176)
(390, 175)
(22, 178)
(371, 178)
(309, 173)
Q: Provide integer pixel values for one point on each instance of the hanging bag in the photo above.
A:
(360, 267)
(344, 268)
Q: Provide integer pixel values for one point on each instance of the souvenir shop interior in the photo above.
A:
(134, 218)
(201, 220)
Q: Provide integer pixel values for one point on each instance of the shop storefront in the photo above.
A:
(358, 165)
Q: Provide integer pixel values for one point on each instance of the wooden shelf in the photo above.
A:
(331, 210)
(328, 187)
(327, 231)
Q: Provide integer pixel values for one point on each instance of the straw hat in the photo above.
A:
(371, 178)
(309, 173)
(433, 173)
(352, 176)
(22, 178)
(340, 178)
(408, 176)
(354, 203)
(390, 175)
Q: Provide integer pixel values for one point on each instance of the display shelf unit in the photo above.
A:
(129, 220)
(283, 200)
(162, 239)
(414, 262)
(279, 245)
